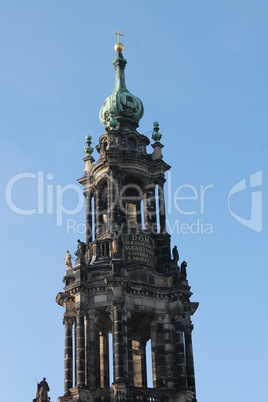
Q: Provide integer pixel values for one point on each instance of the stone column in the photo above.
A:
(90, 349)
(162, 210)
(138, 214)
(112, 193)
(118, 347)
(96, 354)
(189, 359)
(118, 215)
(88, 216)
(145, 210)
(68, 355)
(137, 381)
(153, 211)
(75, 354)
(149, 207)
(169, 351)
(122, 203)
(104, 358)
(161, 358)
(87, 349)
(139, 363)
(80, 348)
(98, 213)
(143, 363)
(153, 329)
(129, 350)
(180, 355)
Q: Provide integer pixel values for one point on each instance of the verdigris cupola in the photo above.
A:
(121, 106)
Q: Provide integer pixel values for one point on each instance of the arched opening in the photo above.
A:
(104, 208)
(141, 350)
(149, 364)
(93, 217)
(111, 359)
(100, 209)
(142, 214)
(105, 352)
(130, 199)
(157, 209)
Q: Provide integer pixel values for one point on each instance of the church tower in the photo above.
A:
(126, 290)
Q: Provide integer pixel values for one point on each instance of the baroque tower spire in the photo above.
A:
(127, 291)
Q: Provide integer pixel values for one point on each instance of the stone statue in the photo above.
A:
(176, 256)
(42, 392)
(68, 260)
(81, 249)
(112, 122)
(156, 136)
(183, 270)
(114, 245)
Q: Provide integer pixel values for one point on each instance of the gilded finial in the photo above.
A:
(118, 47)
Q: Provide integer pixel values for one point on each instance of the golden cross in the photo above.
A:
(118, 34)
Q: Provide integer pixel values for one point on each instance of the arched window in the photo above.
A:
(104, 211)
(132, 195)
(105, 351)
(149, 364)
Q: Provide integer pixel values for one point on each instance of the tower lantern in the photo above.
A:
(126, 292)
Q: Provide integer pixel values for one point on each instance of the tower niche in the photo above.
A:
(126, 284)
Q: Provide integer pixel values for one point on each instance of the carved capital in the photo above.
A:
(176, 318)
(188, 329)
(80, 310)
(87, 193)
(68, 320)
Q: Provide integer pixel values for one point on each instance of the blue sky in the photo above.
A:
(200, 68)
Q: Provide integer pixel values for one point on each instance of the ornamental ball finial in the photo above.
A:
(118, 47)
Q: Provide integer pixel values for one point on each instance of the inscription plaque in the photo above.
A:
(138, 249)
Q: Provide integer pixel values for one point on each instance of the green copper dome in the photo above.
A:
(121, 104)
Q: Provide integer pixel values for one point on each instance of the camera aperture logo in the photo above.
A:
(255, 221)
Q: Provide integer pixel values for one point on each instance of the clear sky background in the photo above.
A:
(200, 68)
